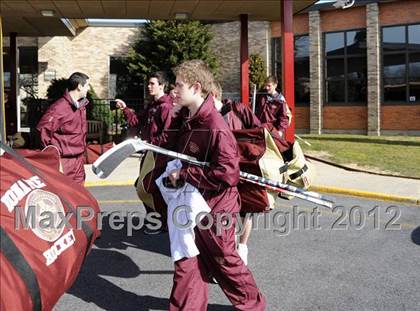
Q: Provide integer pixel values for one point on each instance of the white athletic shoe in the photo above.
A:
(243, 253)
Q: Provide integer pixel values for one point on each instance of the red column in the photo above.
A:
(288, 71)
(244, 60)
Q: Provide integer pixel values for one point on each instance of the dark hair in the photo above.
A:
(75, 79)
(271, 79)
(160, 76)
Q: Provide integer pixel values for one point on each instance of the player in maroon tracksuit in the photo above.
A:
(272, 107)
(64, 125)
(153, 123)
(205, 135)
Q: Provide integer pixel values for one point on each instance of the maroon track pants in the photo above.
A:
(218, 258)
(73, 167)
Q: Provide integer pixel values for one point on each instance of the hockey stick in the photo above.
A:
(322, 202)
(110, 160)
(301, 139)
(113, 157)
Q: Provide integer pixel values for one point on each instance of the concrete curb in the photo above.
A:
(318, 188)
(351, 169)
(366, 194)
(105, 183)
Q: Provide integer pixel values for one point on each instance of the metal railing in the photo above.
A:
(114, 124)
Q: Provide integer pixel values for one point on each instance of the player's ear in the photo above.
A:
(197, 87)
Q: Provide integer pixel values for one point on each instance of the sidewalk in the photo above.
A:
(329, 179)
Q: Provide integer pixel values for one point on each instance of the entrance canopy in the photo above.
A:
(33, 17)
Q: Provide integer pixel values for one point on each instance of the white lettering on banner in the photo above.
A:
(19, 189)
(59, 247)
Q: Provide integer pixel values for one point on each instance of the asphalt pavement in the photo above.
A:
(362, 255)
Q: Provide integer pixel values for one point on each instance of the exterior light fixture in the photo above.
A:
(47, 13)
(344, 4)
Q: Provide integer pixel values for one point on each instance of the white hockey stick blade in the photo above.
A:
(113, 157)
(110, 160)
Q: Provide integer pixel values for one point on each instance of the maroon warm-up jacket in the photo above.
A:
(154, 121)
(273, 111)
(207, 137)
(65, 126)
(239, 116)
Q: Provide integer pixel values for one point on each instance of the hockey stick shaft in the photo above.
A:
(107, 162)
(297, 195)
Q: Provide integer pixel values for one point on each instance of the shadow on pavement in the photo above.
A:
(415, 236)
(91, 287)
(119, 239)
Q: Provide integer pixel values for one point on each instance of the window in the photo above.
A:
(276, 59)
(345, 68)
(401, 64)
(122, 84)
(302, 81)
(28, 71)
(28, 81)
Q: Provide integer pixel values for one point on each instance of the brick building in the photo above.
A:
(98, 51)
(356, 70)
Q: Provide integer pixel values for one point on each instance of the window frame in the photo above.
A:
(276, 58)
(276, 41)
(406, 52)
(302, 103)
(345, 57)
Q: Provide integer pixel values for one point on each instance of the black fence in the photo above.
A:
(113, 124)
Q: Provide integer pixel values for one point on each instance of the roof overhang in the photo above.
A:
(24, 16)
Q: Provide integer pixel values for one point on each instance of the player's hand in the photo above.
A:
(174, 176)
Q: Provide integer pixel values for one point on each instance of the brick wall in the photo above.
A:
(355, 118)
(226, 46)
(332, 20)
(300, 26)
(399, 12)
(88, 52)
(302, 118)
(401, 117)
(345, 118)
(336, 20)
